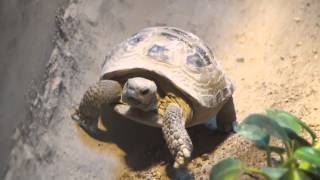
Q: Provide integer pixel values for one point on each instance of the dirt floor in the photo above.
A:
(270, 49)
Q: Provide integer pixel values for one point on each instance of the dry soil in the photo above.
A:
(270, 49)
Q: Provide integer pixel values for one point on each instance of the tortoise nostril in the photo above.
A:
(145, 91)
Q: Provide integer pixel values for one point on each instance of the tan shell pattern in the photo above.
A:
(179, 56)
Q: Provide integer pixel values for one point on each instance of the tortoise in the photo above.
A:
(163, 77)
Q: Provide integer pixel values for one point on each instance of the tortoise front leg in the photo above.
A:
(102, 93)
(176, 135)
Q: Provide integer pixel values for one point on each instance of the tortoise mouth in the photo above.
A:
(150, 118)
(135, 103)
(132, 101)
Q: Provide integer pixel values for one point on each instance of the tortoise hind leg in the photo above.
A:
(176, 135)
(226, 117)
(102, 93)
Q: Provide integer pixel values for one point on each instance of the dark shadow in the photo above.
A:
(204, 141)
(142, 144)
(145, 146)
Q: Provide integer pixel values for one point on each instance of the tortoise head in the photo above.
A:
(140, 93)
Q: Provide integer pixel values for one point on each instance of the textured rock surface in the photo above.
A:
(26, 32)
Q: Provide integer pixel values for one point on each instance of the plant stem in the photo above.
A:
(281, 157)
(288, 149)
(253, 170)
(268, 157)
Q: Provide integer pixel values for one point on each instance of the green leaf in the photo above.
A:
(310, 131)
(309, 168)
(295, 174)
(257, 127)
(308, 154)
(252, 132)
(317, 146)
(284, 119)
(274, 173)
(227, 169)
(290, 124)
(263, 142)
(305, 165)
(298, 141)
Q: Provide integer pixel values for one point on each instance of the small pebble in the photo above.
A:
(240, 59)
(204, 171)
(198, 165)
(314, 51)
(205, 157)
(139, 175)
(294, 56)
(297, 19)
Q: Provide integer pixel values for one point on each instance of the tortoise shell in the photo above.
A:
(175, 59)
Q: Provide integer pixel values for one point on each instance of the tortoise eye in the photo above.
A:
(144, 92)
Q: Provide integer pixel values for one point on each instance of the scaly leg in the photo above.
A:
(102, 93)
(176, 135)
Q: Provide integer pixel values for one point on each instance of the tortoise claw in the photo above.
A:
(75, 115)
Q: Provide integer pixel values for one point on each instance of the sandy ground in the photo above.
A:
(270, 49)
(26, 31)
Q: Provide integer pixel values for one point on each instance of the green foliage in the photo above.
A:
(308, 154)
(299, 159)
(274, 173)
(227, 169)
